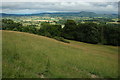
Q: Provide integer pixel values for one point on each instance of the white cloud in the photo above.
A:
(60, 0)
(37, 7)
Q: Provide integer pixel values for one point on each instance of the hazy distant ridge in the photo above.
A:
(62, 14)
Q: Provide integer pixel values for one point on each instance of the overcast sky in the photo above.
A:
(22, 7)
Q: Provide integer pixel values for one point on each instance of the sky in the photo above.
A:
(30, 7)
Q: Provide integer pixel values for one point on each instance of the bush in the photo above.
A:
(61, 39)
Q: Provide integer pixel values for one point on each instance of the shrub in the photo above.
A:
(61, 39)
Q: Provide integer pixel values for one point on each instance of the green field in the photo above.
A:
(31, 56)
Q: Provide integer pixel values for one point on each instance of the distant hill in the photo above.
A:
(62, 14)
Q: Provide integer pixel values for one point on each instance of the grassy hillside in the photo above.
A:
(32, 56)
(0, 54)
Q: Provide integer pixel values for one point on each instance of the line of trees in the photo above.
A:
(8, 24)
(92, 32)
(88, 32)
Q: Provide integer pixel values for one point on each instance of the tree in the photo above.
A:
(69, 29)
(29, 29)
(110, 34)
(50, 30)
(87, 32)
(10, 24)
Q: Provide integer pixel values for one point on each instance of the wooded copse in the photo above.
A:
(88, 32)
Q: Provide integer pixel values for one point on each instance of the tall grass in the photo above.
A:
(26, 55)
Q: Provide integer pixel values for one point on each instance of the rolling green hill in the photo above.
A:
(31, 56)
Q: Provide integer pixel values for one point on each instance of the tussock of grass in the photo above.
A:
(27, 55)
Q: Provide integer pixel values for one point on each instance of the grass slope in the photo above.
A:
(31, 56)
